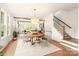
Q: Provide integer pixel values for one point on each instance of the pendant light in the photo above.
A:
(34, 19)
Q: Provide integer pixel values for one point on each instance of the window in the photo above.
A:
(2, 17)
(24, 25)
(2, 24)
(7, 25)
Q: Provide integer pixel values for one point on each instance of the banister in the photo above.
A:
(57, 23)
(62, 22)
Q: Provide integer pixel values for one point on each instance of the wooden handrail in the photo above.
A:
(62, 22)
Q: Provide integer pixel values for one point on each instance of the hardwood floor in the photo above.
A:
(65, 50)
(10, 50)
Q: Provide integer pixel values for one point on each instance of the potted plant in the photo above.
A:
(25, 31)
(2, 34)
(14, 35)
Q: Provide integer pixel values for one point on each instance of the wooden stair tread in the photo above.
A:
(72, 40)
(70, 44)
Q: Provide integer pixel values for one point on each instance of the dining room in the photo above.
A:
(32, 29)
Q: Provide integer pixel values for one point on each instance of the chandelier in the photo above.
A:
(34, 19)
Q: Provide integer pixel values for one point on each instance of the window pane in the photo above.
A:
(2, 18)
(7, 25)
(2, 24)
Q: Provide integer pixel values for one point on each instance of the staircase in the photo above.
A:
(67, 39)
(69, 42)
(61, 26)
(67, 36)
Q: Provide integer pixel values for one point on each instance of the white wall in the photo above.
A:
(71, 18)
(7, 37)
(0, 20)
(50, 30)
(78, 22)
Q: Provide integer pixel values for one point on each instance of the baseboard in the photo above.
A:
(70, 47)
(70, 42)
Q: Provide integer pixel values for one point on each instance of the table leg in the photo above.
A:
(32, 41)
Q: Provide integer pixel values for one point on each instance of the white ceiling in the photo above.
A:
(26, 10)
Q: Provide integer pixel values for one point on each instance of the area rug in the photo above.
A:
(38, 49)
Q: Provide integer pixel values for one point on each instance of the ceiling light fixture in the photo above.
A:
(34, 19)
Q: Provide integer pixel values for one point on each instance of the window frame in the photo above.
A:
(2, 23)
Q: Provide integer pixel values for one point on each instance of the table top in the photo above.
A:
(34, 34)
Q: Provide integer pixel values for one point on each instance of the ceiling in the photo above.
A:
(26, 10)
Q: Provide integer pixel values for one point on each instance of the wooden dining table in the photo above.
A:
(34, 34)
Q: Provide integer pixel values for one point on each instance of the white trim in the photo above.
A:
(69, 46)
(70, 43)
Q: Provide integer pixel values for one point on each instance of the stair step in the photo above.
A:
(70, 45)
(65, 35)
(67, 38)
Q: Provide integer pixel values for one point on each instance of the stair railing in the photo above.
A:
(60, 25)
